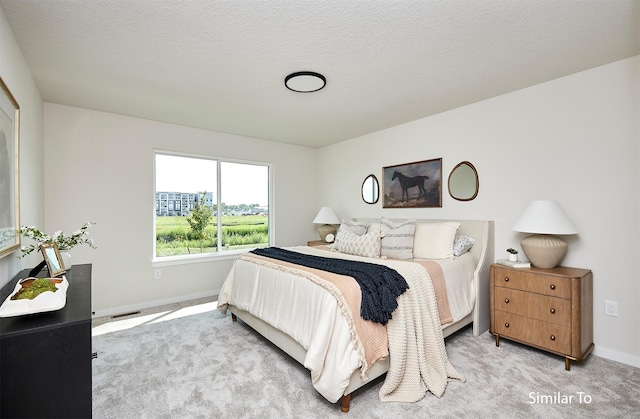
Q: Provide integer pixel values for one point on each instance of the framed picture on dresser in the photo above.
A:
(52, 257)
(9, 172)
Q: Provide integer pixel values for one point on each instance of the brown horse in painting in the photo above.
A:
(411, 182)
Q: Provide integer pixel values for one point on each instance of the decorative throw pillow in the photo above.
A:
(397, 242)
(367, 245)
(462, 244)
(435, 240)
(348, 226)
(375, 226)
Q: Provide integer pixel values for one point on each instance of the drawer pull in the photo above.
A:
(506, 325)
(552, 286)
(552, 337)
(506, 300)
(553, 311)
(506, 279)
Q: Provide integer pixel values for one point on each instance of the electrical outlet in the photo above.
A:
(611, 308)
(158, 273)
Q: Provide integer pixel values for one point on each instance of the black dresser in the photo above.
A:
(45, 358)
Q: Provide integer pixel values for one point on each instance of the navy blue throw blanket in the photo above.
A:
(380, 285)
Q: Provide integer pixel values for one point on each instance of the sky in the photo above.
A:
(241, 183)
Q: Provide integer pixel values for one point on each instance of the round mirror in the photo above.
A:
(370, 189)
(463, 182)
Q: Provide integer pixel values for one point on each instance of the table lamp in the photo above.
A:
(326, 216)
(544, 218)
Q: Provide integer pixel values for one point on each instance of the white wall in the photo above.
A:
(99, 167)
(575, 140)
(16, 75)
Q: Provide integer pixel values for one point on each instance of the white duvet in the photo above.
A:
(312, 317)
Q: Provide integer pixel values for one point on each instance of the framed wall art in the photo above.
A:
(9, 172)
(413, 185)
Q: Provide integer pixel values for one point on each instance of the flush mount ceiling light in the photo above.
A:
(305, 81)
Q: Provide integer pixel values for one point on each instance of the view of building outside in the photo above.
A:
(239, 217)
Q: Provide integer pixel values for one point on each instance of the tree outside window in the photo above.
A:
(209, 206)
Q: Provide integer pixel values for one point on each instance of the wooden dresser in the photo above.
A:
(549, 309)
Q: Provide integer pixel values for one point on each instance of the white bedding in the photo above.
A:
(313, 318)
(461, 293)
(458, 274)
(304, 311)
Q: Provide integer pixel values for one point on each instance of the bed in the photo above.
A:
(299, 310)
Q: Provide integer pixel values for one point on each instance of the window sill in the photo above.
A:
(199, 258)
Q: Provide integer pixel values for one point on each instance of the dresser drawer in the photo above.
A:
(526, 281)
(545, 335)
(542, 307)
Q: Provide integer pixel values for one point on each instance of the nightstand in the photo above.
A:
(549, 309)
(317, 243)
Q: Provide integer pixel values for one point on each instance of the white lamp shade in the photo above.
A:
(326, 215)
(544, 217)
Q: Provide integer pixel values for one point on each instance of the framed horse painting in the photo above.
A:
(412, 185)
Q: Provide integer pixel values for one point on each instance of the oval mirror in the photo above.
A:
(463, 182)
(370, 189)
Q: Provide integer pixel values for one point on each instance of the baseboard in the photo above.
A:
(114, 311)
(612, 355)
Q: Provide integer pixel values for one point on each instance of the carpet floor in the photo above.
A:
(193, 362)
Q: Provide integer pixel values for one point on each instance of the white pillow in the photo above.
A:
(397, 242)
(435, 240)
(367, 245)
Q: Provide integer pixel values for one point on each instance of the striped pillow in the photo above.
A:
(397, 242)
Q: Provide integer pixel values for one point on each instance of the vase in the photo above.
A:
(513, 258)
(66, 259)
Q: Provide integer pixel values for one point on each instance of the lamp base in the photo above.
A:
(325, 229)
(544, 250)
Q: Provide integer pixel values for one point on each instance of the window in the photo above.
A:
(209, 206)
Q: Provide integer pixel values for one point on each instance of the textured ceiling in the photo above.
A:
(220, 65)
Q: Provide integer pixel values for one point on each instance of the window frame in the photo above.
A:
(218, 254)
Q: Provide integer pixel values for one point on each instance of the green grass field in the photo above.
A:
(174, 236)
